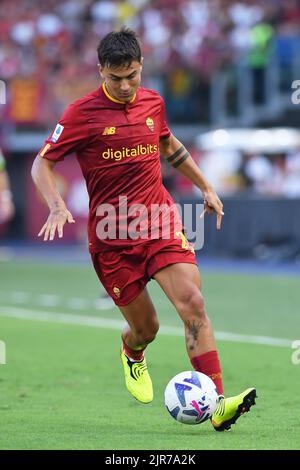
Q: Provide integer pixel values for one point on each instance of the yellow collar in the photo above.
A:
(114, 99)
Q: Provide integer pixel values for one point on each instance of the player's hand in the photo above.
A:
(212, 204)
(55, 222)
(7, 210)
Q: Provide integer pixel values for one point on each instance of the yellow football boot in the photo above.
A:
(137, 379)
(230, 409)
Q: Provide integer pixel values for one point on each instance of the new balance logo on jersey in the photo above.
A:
(109, 131)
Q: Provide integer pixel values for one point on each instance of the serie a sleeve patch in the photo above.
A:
(57, 133)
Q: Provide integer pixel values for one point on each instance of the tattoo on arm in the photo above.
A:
(181, 160)
(178, 157)
(175, 155)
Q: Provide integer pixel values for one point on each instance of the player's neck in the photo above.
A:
(112, 98)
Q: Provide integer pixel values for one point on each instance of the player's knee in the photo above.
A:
(152, 331)
(196, 303)
(147, 335)
(192, 304)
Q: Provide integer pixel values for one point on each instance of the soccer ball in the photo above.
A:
(191, 397)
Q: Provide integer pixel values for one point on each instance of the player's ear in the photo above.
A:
(100, 71)
(142, 61)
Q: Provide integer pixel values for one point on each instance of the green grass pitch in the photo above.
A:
(63, 386)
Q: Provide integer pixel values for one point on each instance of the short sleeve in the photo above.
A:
(164, 131)
(69, 136)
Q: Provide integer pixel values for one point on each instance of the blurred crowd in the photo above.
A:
(271, 175)
(48, 49)
(275, 174)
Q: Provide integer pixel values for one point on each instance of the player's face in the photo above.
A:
(122, 82)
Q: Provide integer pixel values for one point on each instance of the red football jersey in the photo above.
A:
(117, 146)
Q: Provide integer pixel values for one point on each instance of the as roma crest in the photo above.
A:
(150, 123)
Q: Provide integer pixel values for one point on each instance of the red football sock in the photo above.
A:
(135, 355)
(209, 364)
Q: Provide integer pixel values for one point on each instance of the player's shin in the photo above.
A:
(201, 348)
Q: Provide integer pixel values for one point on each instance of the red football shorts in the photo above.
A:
(125, 272)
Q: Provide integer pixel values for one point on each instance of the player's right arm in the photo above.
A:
(70, 135)
(43, 177)
(178, 156)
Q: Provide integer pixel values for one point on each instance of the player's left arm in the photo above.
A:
(178, 156)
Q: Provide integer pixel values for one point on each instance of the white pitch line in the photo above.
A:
(48, 300)
(61, 317)
(19, 297)
(104, 304)
(78, 304)
(253, 339)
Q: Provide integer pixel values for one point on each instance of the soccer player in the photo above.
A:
(7, 208)
(118, 133)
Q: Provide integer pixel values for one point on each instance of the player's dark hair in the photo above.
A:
(119, 48)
